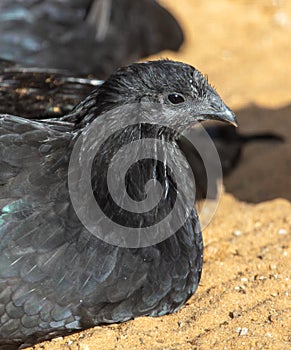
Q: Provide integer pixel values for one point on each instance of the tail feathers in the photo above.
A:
(265, 137)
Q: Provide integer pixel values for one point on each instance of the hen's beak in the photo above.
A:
(225, 114)
(213, 108)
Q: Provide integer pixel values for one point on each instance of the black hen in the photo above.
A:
(59, 272)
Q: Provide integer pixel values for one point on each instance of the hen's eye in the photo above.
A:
(176, 98)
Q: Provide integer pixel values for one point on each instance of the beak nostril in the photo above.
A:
(215, 106)
(217, 109)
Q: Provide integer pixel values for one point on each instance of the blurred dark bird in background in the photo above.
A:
(40, 94)
(85, 36)
(229, 143)
(57, 277)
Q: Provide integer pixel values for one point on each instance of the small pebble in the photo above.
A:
(273, 266)
(234, 314)
(242, 331)
(241, 289)
(57, 339)
(237, 233)
(282, 231)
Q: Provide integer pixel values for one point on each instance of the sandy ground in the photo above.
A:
(244, 298)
